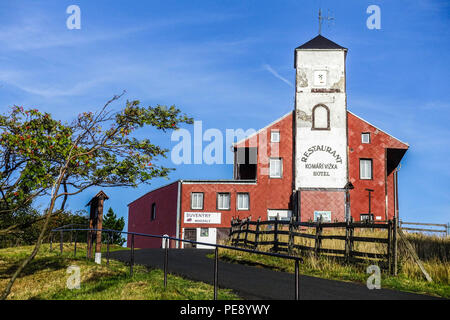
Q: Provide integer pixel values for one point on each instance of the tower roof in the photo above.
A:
(320, 42)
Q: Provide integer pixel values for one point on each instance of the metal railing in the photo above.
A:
(166, 238)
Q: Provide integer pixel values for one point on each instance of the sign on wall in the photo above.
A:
(202, 217)
(326, 216)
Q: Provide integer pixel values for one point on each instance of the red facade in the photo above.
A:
(273, 194)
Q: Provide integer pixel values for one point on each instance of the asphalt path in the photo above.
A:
(256, 283)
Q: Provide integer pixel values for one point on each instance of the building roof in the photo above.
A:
(320, 42)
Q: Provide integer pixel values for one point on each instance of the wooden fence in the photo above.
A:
(443, 229)
(300, 237)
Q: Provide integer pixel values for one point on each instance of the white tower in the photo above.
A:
(321, 116)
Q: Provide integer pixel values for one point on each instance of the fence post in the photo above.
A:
(108, 237)
(318, 235)
(351, 234)
(347, 240)
(132, 255)
(296, 280)
(395, 249)
(216, 272)
(291, 236)
(275, 236)
(389, 247)
(257, 233)
(75, 245)
(166, 260)
(51, 242)
(61, 235)
(247, 225)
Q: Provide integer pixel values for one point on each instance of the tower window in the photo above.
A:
(320, 117)
(365, 137)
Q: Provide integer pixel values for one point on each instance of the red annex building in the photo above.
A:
(320, 160)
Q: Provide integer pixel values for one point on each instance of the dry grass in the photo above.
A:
(433, 251)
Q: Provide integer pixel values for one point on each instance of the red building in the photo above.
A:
(320, 160)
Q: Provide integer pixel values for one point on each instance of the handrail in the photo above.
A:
(217, 246)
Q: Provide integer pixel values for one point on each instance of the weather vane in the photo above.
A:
(321, 18)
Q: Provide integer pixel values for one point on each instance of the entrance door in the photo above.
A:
(190, 234)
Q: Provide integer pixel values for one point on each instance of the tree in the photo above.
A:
(61, 160)
(111, 222)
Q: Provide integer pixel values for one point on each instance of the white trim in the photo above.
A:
(262, 129)
(405, 143)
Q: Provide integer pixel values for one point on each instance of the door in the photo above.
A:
(190, 234)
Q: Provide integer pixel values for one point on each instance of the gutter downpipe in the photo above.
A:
(180, 182)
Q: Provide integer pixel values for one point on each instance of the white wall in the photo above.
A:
(330, 173)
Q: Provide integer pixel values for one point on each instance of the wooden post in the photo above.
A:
(318, 240)
(291, 235)
(257, 233)
(275, 236)
(347, 241)
(98, 244)
(247, 225)
(389, 246)
(351, 233)
(395, 248)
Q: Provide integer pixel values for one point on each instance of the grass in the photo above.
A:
(46, 276)
(434, 252)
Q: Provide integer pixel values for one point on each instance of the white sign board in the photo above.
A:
(325, 215)
(202, 217)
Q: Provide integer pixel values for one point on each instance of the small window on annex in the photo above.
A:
(197, 200)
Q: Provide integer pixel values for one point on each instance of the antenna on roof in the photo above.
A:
(328, 18)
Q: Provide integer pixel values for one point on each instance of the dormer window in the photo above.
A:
(320, 117)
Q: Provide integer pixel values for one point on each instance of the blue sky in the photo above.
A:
(230, 64)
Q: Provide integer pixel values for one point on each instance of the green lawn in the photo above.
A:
(46, 277)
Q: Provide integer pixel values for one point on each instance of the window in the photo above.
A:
(365, 169)
(275, 168)
(243, 201)
(204, 232)
(153, 213)
(365, 137)
(197, 200)
(320, 117)
(223, 201)
(274, 136)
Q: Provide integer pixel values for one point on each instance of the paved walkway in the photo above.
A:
(257, 283)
